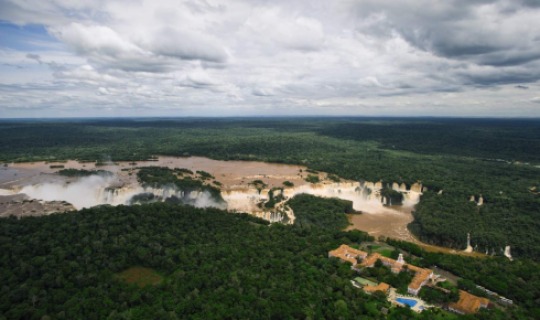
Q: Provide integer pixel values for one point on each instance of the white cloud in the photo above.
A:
(217, 57)
(185, 45)
(274, 26)
(94, 39)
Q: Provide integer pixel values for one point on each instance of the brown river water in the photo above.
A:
(394, 225)
(231, 174)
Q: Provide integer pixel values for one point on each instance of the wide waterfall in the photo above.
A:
(237, 191)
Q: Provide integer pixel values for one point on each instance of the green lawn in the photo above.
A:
(364, 281)
(384, 251)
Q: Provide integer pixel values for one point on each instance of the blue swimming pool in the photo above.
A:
(410, 302)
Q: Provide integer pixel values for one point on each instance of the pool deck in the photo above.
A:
(420, 304)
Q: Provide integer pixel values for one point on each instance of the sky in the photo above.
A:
(118, 58)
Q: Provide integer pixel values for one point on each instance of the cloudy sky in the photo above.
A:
(71, 58)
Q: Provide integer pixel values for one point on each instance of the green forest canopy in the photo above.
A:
(205, 264)
(497, 159)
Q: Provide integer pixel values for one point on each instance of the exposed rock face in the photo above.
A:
(20, 205)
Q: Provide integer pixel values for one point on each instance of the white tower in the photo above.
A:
(400, 259)
(469, 247)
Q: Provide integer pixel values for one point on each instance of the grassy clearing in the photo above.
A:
(140, 276)
(386, 252)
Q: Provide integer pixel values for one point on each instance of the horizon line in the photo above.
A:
(269, 117)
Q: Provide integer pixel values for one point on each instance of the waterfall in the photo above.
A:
(507, 252)
(480, 201)
(96, 190)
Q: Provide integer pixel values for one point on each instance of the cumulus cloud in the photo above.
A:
(94, 39)
(364, 57)
(185, 45)
(503, 32)
(277, 27)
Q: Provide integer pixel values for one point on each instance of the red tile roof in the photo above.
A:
(468, 303)
(384, 287)
(370, 261)
(346, 253)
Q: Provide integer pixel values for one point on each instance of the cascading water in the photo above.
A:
(507, 252)
(365, 196)
(121, 188)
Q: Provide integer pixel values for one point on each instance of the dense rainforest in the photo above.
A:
(454, 158)
(209, 264)
(168, 261)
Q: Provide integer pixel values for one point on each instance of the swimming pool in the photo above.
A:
(410, 302)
